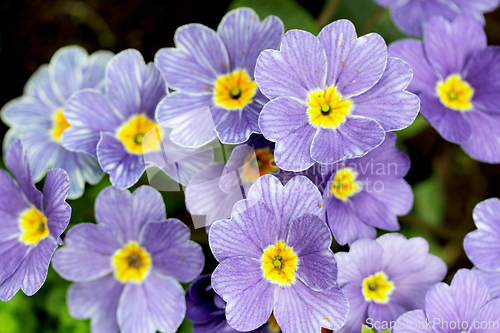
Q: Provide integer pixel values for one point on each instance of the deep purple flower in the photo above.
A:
(333, 96)
(30, 224)
(212, 73)
(37, 116)
(127, 266)
(120, 128)
(383, 278)
(207, 310)
(463, 306)
(482, 245)
(411, 16)
(275, 258)
(368, 192)
(457, 77)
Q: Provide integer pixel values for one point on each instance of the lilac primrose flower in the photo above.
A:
(30, 224)
(37, 116)
(207, 310)
(333, 96)
(411, 16)
(463, 306)
(119, 127)
(275, 258)
(367, 192)
(127, 266)
(457, 77)
(383, 278)
(214, 70)
(482, 245)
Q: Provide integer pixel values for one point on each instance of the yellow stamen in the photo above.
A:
(327, 108)
(279, 263)
(131, 263)
(59, 125)
(377, 288)
(455, 93)
(344, 184)
(140, 135)
(33, 226)
(234, 90)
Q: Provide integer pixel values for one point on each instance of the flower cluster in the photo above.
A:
(308, 121)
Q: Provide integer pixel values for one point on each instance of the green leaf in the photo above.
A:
(293, 15)
(365, 329)
(430, 201)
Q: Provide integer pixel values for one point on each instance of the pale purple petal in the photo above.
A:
(298, 197)
(385, 312)
(36, 264)
(157, 304)
(95, 69)
(18, 164)
(184, 113)
(484, 144)
(396, 195)
(354, 266)
(452, 125)
(57, 211)
(87, 253)
(337, 39)
(450, 45)
(353, 138)
(298, 308)
(66, 71)
(293, 152)
(27, 111)
(124, 168)
(282, 116)
(492, 281)
(482, 245)
(237, 126)
(374, 212)
(387, 102)
(42, 150)
(97, 300)
(310, 240)
(245, 36)
(12, 253)
(127, 213)
(39, 87)
(404, 323)
(490, 314)
(249, 296)
(357, 308)
(12, 205)
(88, 112)
(299, 67)
(197, 60)
(345, 224)
(172, 252)
(412, 51)
(363, 67)
(252, 223)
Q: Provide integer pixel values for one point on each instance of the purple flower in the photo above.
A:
(207, 310)
(367, 192)
(411, 16)
(212, 73)
(275, 258)
(457, 77)
(30, 223)
(333, 96)
(482, 245)
(383, 278)
(119, 127)
(37, 116)
(127, 266)
(463, 306)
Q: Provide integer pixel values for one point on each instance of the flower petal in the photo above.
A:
(409, 323)
(27, 111)
(95, 68)
(12, 253)
(56, 209)
(484, 143)
(357, 308)
(196, 61)
(373, 212)
(39, 87)
(249, 296)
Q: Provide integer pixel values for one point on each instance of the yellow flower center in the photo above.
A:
(33, 226)
(262, 164)
(140, 135)
(234, 90)
(279, 263)
(377, 288)
(327, 108)
(59, 125)
(344, 184)
(132, 263)
(455, 93)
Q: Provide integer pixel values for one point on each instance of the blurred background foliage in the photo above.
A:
(447, 183)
